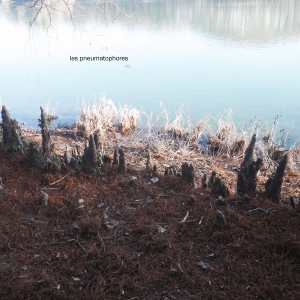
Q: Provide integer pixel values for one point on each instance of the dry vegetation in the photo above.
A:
(139, 234)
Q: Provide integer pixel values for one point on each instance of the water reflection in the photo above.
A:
(242, 21)
(227, 54)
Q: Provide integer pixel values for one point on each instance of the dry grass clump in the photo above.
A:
(103, 116)
(210, 135)
(225, 138)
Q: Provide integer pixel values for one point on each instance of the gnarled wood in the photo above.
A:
(122, 164)
(89, 158)
(274, 183)
(148, 162)
(11, 129)
(116, 157)
(44, 124)
(36, 156)
(219, 188)
(187, 173)
(247, 175)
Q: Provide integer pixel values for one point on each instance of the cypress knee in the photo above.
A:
(44, 124)
(11, 129)
(89, 158)
(274, 183)
(122, 164)
(187, 172)
(247, 175)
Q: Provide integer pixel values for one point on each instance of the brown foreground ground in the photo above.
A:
(116, 237)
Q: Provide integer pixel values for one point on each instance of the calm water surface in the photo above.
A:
(206, 54)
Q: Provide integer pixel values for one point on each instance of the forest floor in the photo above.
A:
(137, 236)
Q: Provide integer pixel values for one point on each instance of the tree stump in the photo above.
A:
(247, 175)
(11, 129)
(36, 157)
(274, 183)
(44, 124)
(187, 173)
(89, 158)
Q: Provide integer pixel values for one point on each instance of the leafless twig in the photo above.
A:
(57, 181)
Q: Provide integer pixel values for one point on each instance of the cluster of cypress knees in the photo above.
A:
(90, 162)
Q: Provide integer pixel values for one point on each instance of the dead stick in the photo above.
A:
(63, 242)
(165, 205)
(103, 244)
(186, 216)
(55, 182)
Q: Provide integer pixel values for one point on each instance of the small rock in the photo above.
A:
(205, 266)
(154, 179)
(161, 229)
(43, 198)
(220, 219)
(80, 201)
(191, 200)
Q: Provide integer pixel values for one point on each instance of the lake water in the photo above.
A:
(209, 55)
